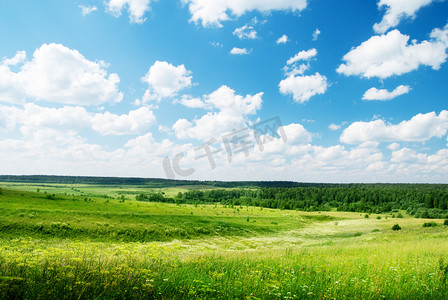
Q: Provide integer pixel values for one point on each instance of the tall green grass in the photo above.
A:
(66, 270)
(76, 217)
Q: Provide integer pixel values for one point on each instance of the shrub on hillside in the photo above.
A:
(429, 224)
(396, 227)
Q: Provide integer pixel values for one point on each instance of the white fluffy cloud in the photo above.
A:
(384, 95)
(334, 127)
(165, 80)
(245, 32)
(295, 65)
(406, 155)
(19, 58)
(297, 134)
(393, 146)
(44, 127)
(58, 74)
(396, 10)
(136, 9)
(212, 13)
(36, 119)
(191, 102)
(137, 121)
(302, 55)
(87, 9)
(391, 54)
(67, 117)
(230, 112)
(355, 164)
(283, 39)
(239, 51)
(421, 127)
(302, 88)
(290, 141)
(147, 145)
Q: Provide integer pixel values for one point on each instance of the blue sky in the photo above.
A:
(123, 87)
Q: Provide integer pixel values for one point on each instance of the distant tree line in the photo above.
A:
(147, 182)
(425, 201)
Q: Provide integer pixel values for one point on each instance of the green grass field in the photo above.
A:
(76, 245)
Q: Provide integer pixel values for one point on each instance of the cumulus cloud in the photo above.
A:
(420, 128)
(297, 134)
(393, 146)
(191, 102)
(302, 55)
(212, 13)
(37, 119)
(50, 140)
(277, 149)
(334, 127)
(18, 58)
(165, 80)
(296, 69)
(142, 144)
(384, 95)
(299, 63)
(294, 134)
(302, 88)
(58, 74)
(44, 127)
(67, 117)
(50, 151)
(332, 161)
(245, 32)
(136, 122)
(239, 51)
(391, 54)
(229, 111)
(411, 158)
(397, 10)
(283, 39)
(87, 9)
(316, 34)
(136, 9)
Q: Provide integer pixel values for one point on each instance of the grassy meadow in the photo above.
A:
(89, 242)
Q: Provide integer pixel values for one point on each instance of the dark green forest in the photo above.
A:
(421, 201)
(146, 182)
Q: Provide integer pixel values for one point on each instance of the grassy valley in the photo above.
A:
(73, 241)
